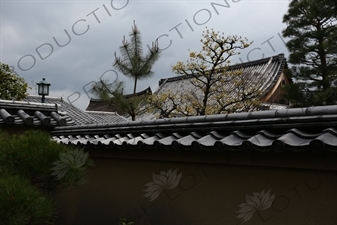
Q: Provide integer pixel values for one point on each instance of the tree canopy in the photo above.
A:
(215, 88)
(133, 64)
(114, 95)
(12, 87)
(312, 29)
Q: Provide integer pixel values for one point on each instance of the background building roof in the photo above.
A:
(262, 73)
(79, 116)
(100, 105)
(107, 117)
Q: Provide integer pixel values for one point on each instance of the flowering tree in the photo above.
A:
(214, 87)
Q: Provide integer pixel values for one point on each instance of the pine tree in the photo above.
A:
(134, 65)
(312, 29)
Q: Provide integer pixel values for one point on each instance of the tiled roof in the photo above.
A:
(298, 129)
(263, 73)
(107, 117)
(79, 116)
(32, 114)
(260, 75)
(100, 105)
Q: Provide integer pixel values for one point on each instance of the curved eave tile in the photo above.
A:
(234, 139)
(263, 139)
(80, 142)
(186, 141)
(107, 141)
(134, 141)
(207, 141)
(120, 141)
(328, 140)
(294, 140)
(96, 140)
(149, 141)
(167, 141)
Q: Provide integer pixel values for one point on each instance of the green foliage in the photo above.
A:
(30, 170)
(124, 221)
(312, 29)
(133, 63)
(32, 156)
(22, 203)
(28, 155)
(113, 94)
(12, 87)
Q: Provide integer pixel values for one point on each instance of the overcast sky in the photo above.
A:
(35, 37)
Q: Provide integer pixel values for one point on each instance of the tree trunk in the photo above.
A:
(135, 86)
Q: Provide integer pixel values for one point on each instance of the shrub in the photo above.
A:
(31, 167)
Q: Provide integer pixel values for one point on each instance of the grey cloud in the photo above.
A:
(28, 25)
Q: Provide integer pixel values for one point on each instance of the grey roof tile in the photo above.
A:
(328, 137)
(207, 140)
(108, 141)
(107, 117)
(32, 114)
(187, 140)
(167, 141)
(288, 129)
(151, 139)
(65, 108)
(233, 139)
